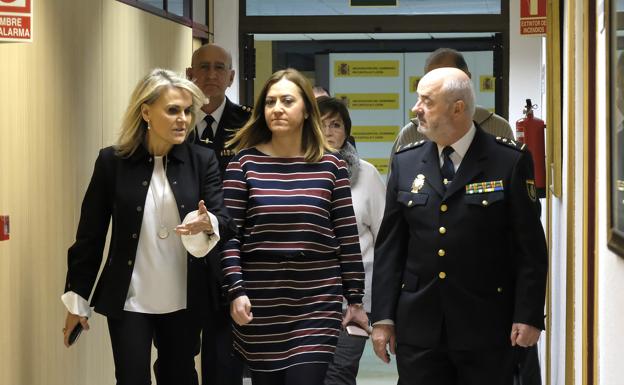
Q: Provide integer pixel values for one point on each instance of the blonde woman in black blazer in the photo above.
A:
(150, 287)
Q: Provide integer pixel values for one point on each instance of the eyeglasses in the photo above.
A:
(333, 125)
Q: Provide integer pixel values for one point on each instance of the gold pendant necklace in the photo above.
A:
(163, 232)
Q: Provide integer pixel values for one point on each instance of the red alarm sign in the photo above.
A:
(16, 21)
(15, 6)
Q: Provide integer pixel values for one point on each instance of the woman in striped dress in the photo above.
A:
(296, 255)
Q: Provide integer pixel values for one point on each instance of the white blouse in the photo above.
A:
(369, 200)
(158, 283)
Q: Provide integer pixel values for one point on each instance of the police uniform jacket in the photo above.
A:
(117, 191)
(234, 117)
(470, 258)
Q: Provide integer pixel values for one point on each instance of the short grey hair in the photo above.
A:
(460, 89)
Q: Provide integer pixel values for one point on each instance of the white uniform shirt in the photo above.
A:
(216, 115)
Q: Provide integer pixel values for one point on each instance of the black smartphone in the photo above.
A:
(75, 333)
(356, 331)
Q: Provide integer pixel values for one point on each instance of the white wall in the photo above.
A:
(526, 81)
(567, 206)
(559, 215)
(525, 67)
(225, 20)
(610, 266)
(578, 143)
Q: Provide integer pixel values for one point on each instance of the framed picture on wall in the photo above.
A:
(616, 128)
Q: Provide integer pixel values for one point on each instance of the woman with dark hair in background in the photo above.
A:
(150, 288)
(368, 192)
(296, 255)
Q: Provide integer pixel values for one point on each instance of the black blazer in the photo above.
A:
(118, 190)
(234, 117)
(475, 263)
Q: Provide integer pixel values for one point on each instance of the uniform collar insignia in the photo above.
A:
(410, 145)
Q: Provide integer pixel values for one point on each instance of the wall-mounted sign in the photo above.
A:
(375, 133)
(532, 17)
(381, 164)
(374, 3)
(487, 83)
(413, 83)
(371, 85)
(366, 101)
(16, 20)
(366, 68)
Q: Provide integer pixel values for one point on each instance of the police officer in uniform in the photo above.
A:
(461, 258)
(220, 118)
(489, 121)
(211, 69)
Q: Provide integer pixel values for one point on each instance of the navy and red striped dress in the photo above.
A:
(296, 255)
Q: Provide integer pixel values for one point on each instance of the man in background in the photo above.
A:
(490, 122)
(220, 118)
(211, 70)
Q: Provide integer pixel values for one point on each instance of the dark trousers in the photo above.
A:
(174, 335)
(302, 374)
(344, 368)
(528, 368)
(444, 366)
(221, 365)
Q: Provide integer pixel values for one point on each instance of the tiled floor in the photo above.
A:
(372, 370)
(375, 372)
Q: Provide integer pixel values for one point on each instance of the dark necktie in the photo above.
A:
(447, 170)
(207, 136)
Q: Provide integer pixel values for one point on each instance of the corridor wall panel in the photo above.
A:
(61, 99)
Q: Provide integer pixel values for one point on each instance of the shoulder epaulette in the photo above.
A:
(511, 143)
(409, 146)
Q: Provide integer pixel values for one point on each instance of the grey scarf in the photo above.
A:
(350, 155)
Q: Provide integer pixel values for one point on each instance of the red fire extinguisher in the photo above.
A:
(530, 130)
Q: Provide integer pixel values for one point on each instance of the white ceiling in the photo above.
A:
(342, 7)
(366, 36)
